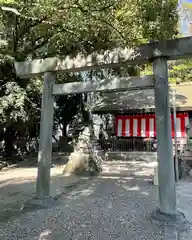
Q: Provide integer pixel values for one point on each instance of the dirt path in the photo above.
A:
(18, 185)
(130, 181)
(116, 205)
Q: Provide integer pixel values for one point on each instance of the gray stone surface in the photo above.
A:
(45, 141)
(184, 203)
(116, 206)
(166, 175)
(170, 233)
(150, 157)
(186, 235)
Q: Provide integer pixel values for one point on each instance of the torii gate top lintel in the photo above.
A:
(172, 49)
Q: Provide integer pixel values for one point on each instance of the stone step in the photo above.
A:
(126, 156)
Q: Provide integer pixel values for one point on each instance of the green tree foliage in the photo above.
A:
(179, 71)
(46, 28)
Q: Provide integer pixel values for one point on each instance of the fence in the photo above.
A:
(112, 144)
(128, 144)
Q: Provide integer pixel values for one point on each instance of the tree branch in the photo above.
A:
(114, 28)
(78, 6)
(30, 26)
(45, 41)
(109, 24)
(14, 11)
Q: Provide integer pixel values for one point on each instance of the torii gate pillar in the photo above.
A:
(45, 143)
(167, 186)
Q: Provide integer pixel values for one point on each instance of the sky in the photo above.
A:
(185, 13)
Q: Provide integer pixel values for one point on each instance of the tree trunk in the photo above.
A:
(9, 138)
(85, 159)
(64, 132)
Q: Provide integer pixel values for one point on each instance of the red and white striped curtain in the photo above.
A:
(145, 125)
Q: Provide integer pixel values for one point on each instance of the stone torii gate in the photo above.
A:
(158, 53)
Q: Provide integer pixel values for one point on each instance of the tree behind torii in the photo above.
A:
(50, 28)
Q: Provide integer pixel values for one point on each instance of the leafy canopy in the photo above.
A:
(45, 28)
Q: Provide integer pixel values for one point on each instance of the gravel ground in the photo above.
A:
(186, 235)
(112, 207)
(18, 185)
(184, 200)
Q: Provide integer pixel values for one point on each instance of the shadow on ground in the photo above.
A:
(19, 187)
(30, 161)
(115, 205)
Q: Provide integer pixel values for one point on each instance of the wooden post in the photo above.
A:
(45, 144)
(167, 190)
